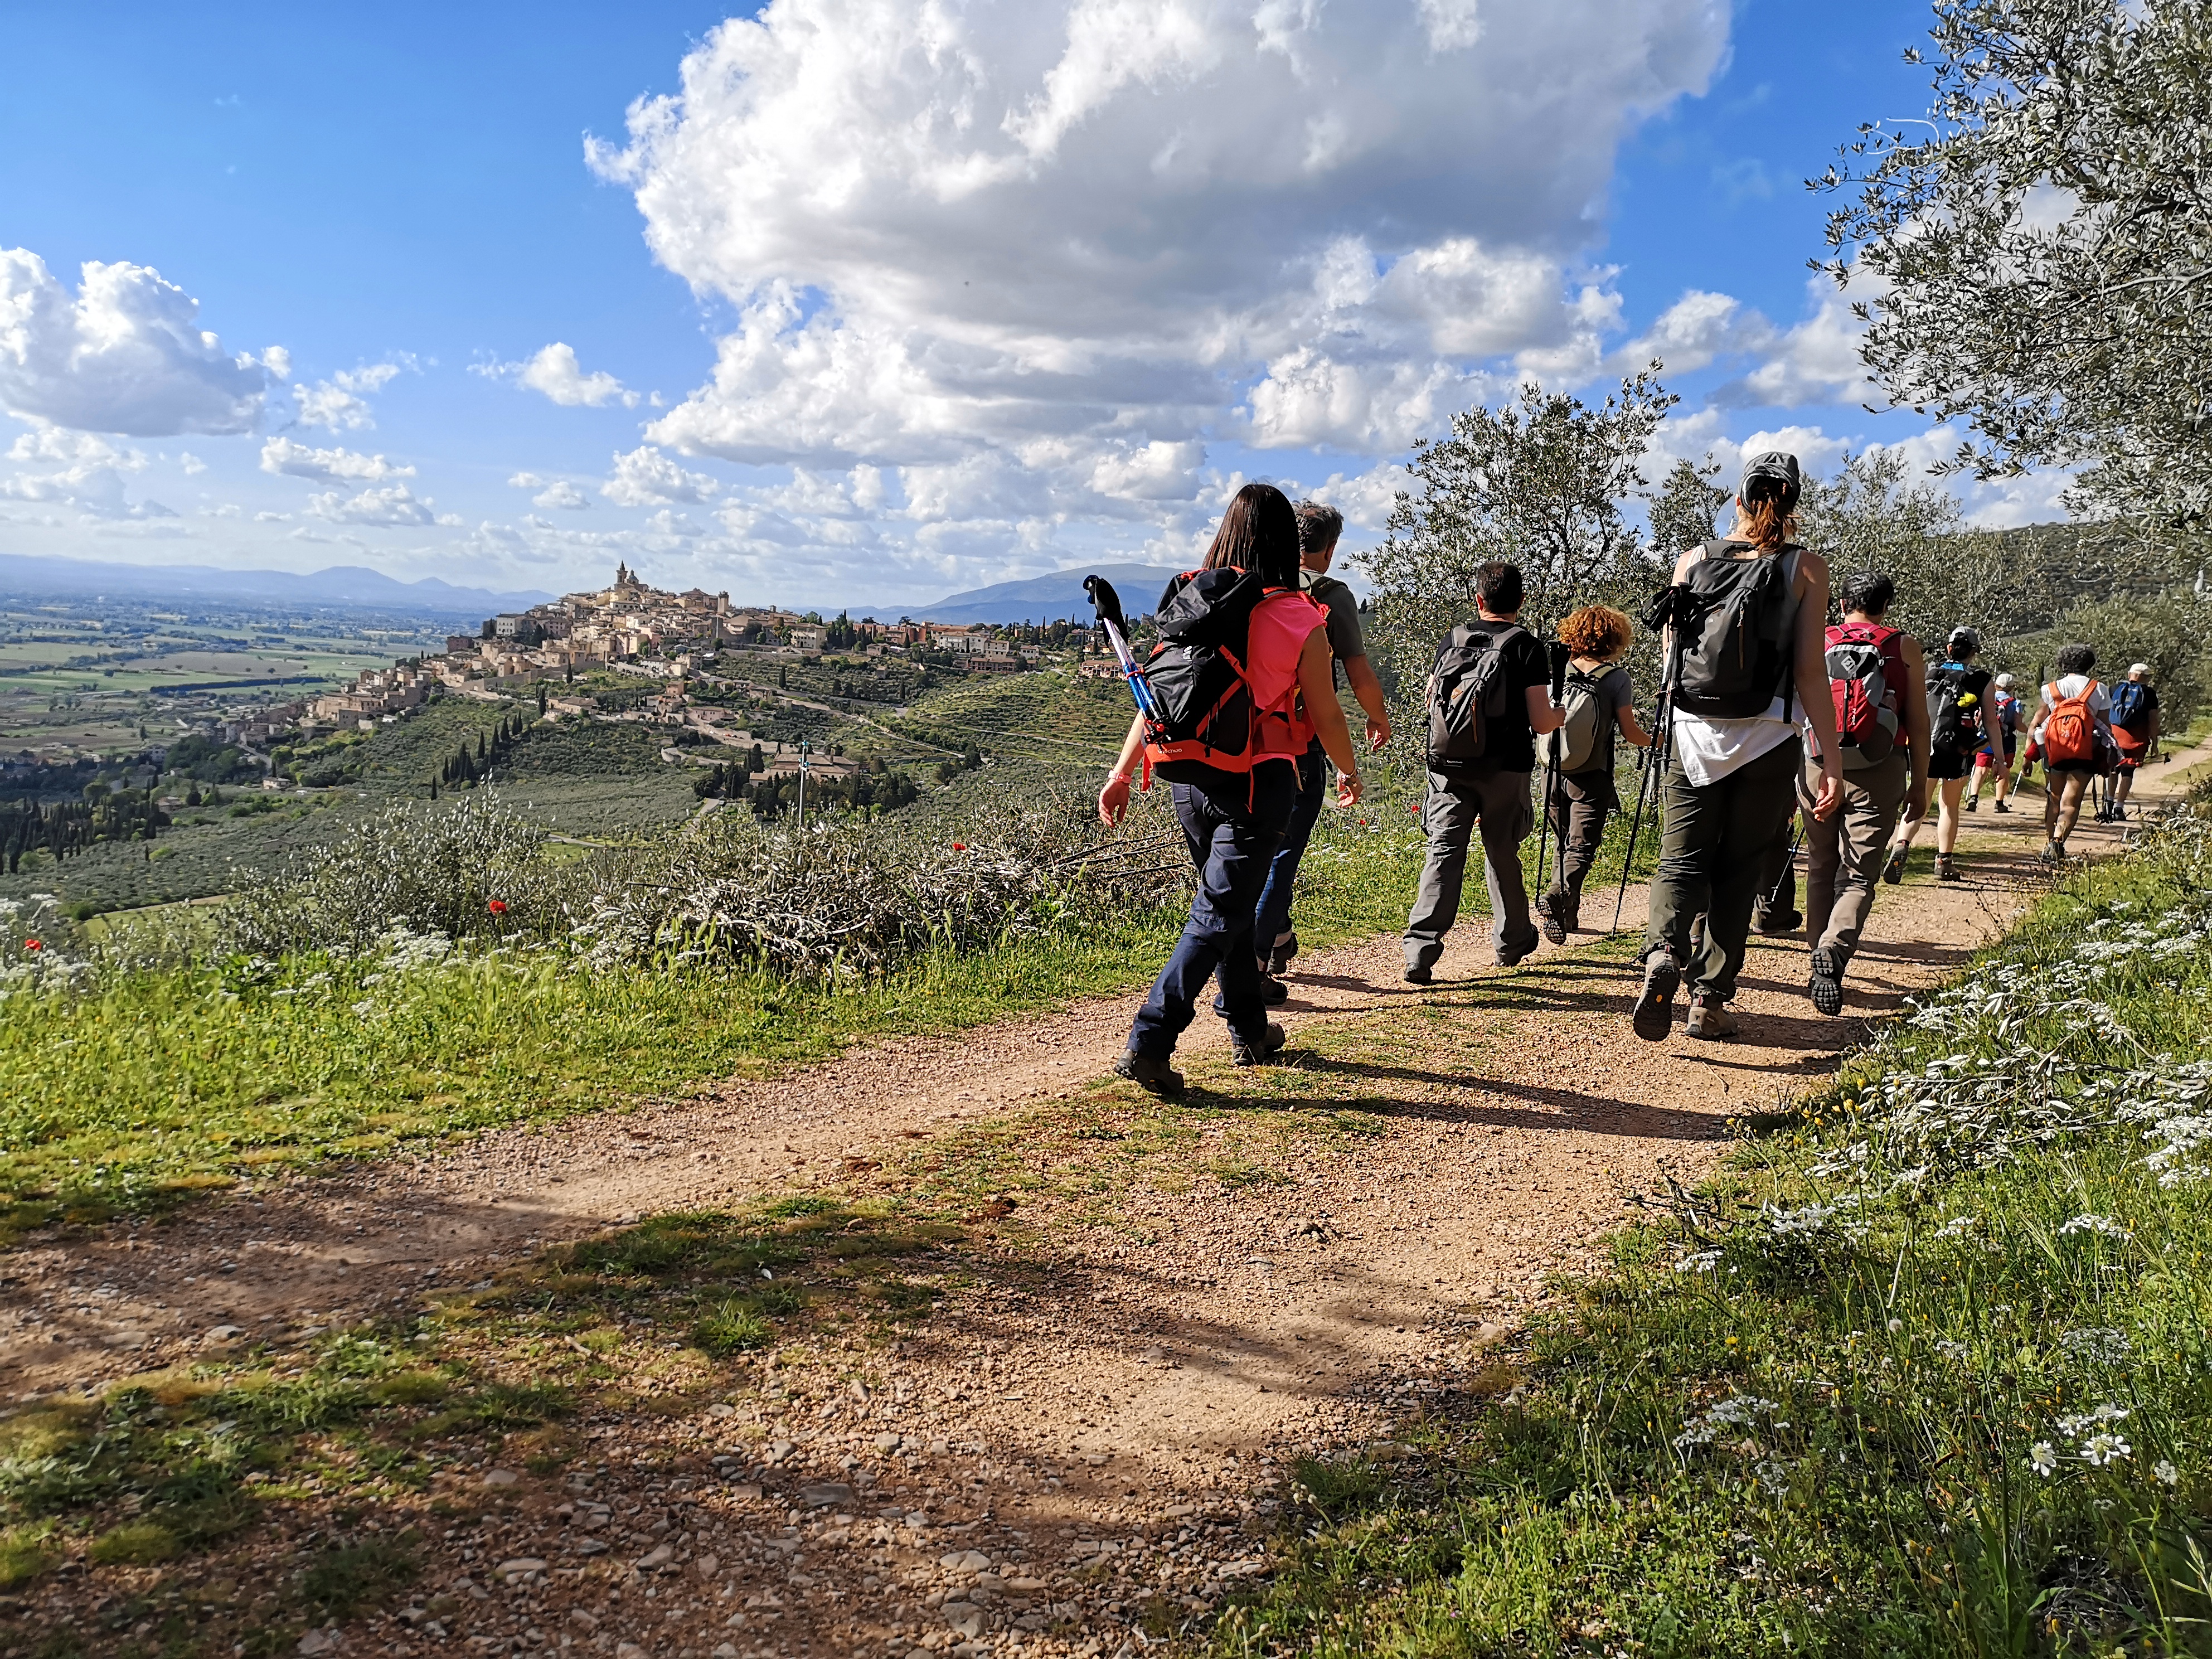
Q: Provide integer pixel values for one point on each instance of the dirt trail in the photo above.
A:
(1135, 1377)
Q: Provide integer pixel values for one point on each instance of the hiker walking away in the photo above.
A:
(1882, 728)
(1243, 678)
(1744, 648)
(1319, 526)
(1489, 698)
(2000, 740)
(2074, 734)
(1958, 702)
(1596, 701)
(2135, 729)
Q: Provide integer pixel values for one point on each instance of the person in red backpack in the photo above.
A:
(1882, 726)
(2074, 734)
(1234, 803)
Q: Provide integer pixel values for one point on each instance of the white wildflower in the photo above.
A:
(2103, 1449)
(2166, 1474)
(2043, 1457)
(2088, 1221)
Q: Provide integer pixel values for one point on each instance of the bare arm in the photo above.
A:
(1368, 690)
(1317, 685)
(1114, 799)
(1913, 711)
(1812, 678)
(1631, 727)
(1544, 715)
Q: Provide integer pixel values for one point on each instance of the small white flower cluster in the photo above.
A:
(2103, 1226)
(1738, 1411)
(2099, 1345)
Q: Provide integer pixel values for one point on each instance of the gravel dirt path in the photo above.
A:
(1088, 1439)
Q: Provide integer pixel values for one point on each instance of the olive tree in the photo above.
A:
(2035, 258)
(1544, 483)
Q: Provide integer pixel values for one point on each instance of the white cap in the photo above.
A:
(2004, 682)
(2138, 668)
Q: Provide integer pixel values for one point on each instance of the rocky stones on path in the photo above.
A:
(656, 1558)
(317, 1642)
(628, 1651)
(522, 1567)
(222, 1336)
(968, 1561)
(584, 1619)
(821, 1496)
(501, 1478)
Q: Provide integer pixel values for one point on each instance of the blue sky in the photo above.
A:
(867, 315)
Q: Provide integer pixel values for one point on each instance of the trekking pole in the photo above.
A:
(1544, 830)
(1652, 762)
(1787, 881)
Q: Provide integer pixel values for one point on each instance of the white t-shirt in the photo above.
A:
(2072, 685)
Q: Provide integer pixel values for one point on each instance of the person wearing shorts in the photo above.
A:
(1956, 677)
(1998, 747)
(2066, 781)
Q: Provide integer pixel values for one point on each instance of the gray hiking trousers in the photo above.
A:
(1843, 853)
(1580, 802)
(1500, 804)
(1712, 856)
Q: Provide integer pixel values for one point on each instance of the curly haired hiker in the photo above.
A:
(2135, 729)
(1596, 701)
(1882, 728)
(1489, 698)
(1319, 526)
(1959, 720)
(2074, 735)
(1252, 653)
(1745, 653)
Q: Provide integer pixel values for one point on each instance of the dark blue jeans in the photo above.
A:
(1273, 920)
(1232, 825)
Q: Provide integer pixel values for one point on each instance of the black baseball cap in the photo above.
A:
(1772, 467)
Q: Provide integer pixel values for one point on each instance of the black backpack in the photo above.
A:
(1732, 633)
(1952, 729)
(1466, 693)
(1197, 671)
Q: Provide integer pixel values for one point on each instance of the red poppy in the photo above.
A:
(959, 846)
(34, 945)
(499, 907)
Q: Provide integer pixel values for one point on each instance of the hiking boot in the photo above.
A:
(1710, 1020)
(1512, 955)
(1417, 973)
(1973, 803)
(2001, 807)
(1286, 952)
(1893, 869)
(1274, 990)
(2053, 853)
(1655, 1008)
(1946, 870)
(1826, 986)
(1258, 1054)
(1548, 917)
(1782, 925)
(1156, 1076)
(2119, 813)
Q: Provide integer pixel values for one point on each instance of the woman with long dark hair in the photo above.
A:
(1234, 785)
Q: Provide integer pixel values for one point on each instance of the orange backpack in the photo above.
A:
(2069, 735)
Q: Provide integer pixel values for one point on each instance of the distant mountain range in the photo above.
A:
(349, 585)
(1050, 599)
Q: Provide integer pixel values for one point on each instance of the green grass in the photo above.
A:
(1812, 1412)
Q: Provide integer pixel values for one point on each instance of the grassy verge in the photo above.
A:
(1924, 1372)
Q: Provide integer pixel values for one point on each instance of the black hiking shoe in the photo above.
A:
(1549, 917)
(1156, 1076)
(1284, 952)
(1826, 987)
(1655, 1008)
(1417, 974)
(1973, 803)
(1512, 955)
(1274, 990)
(1783, 925)
(1948, 870)
(2001, 807)
(1259, 1054)
(1893, 871)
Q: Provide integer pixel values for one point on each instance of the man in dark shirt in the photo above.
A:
(1492, 792)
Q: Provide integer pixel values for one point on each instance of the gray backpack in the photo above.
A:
(1577, 745)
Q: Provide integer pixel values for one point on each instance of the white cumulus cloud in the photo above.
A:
(646, 477)
(337, 403)
(390, 507)
(124, 353)
(563, 495)
(81, 470)
(949, 230)
(283, 456)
